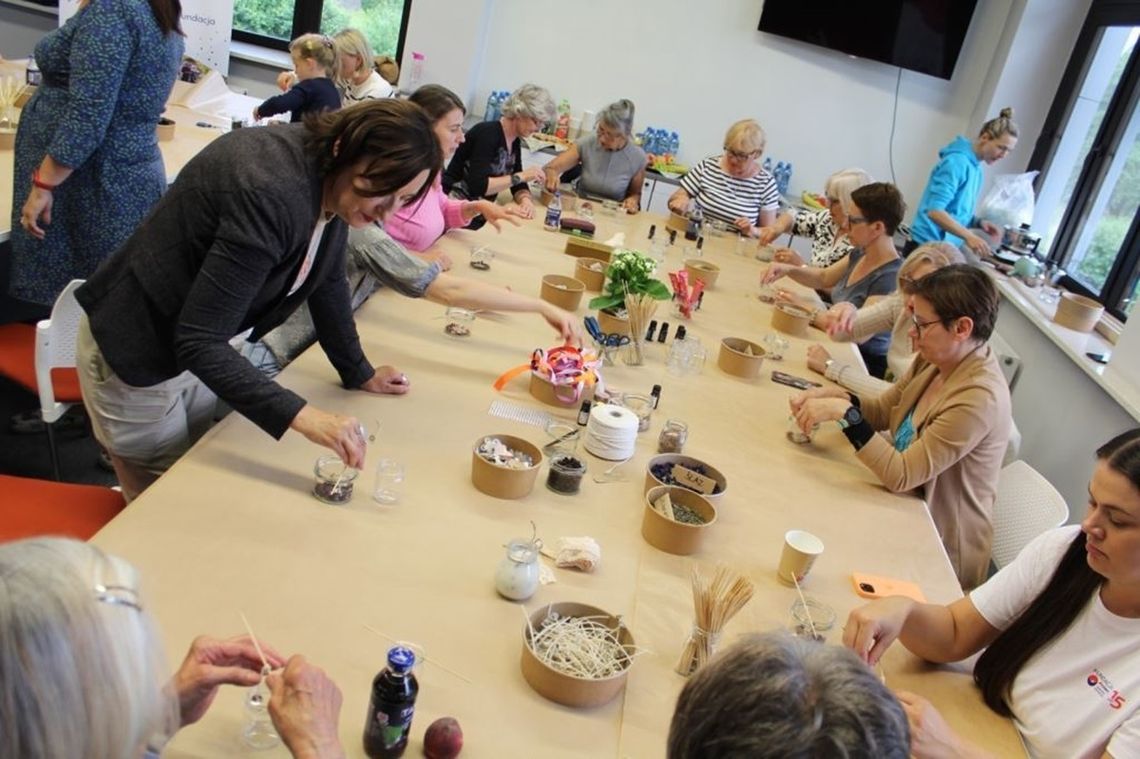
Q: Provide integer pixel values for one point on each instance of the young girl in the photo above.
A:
(314, 60)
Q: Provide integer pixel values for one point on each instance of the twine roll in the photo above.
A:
(611, 433)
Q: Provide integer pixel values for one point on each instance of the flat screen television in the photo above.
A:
(920, 35)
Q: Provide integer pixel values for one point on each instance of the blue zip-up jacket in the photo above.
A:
(953, 187)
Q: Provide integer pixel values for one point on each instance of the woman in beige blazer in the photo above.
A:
(946, 421)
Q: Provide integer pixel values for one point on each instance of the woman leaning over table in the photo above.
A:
(231, 250)
(733, 187)
(826, 227)
(490, 158)
(849, 324)
(83, 674)
(612, 166)
(865, 275)
(948, 416)
(1058, 629)
(87, 165)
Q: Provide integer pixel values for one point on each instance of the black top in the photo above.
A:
(306, 96)
(483, 154)
(217, 256)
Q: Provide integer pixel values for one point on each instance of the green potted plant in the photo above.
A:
(630, 273)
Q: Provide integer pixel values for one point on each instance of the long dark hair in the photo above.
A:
(1059, 602)
(168, 15)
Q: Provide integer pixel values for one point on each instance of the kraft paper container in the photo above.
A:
(499, 481)
(676, 537)
(612, 325)
(734, 358)
(677, 222)
(165, 130)
(569, 199)
(566, 689)
(689, 462)
(543, 391)
(24, 96)
(583, 248)
(594, 280)
(564, 292)
(705, 271)
(792, 320)
(7, 139)
(1078, 312)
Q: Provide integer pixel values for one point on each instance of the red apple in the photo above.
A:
(443, 739)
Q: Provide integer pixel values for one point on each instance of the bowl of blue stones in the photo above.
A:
(675, 469)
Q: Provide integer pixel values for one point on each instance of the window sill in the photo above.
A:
(46, 10)
(278, 59)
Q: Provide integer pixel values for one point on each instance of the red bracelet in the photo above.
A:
(36, 182)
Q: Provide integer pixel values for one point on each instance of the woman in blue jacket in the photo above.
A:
(946, 211)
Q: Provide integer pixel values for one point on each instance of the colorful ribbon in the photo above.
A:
(568, 369)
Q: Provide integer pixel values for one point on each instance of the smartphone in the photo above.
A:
(873, 586)
(793, 381)
(1100, 358)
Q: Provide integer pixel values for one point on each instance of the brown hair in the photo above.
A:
(437, 101)
(880, 201)
(1002, 125)
(168, 15)
(317, 47)
(387, 68)
(961, 290)
(394, 139)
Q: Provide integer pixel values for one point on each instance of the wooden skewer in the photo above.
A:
(425, 657)
(807, 611)
(248, 629)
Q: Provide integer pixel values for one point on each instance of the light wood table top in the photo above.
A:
(233, 528)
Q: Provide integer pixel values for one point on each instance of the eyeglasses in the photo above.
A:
(853, 220)
(737, 155)
(116, 595)
(918, 326)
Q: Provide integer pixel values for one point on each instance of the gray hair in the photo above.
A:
(842, 183)
(81, 669)
(618, 116)
(530, 101)
(774, 695)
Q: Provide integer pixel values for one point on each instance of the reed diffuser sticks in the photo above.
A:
(715, 603)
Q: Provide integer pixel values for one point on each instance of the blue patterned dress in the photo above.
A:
(107, 74)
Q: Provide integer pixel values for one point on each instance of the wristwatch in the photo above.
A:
(851, 417)
(515, 179)
(827, 366)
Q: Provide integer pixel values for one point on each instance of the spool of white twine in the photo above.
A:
(611, 433)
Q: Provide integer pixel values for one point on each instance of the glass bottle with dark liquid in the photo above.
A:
(390, 709)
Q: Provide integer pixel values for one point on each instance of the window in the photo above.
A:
(273, 23)
(1089, 155)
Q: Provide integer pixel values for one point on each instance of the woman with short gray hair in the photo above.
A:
(774, 695)
(825, 227)
(490, 158)
(612, 166)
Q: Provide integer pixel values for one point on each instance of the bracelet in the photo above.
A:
(37, 182)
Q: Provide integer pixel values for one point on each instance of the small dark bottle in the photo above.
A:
(652, 329)
(652, 230)
(672, 236)
(680, 336)
(693, 228)
(584, 414)
(655, 393)
(393, 703)
(663, 335)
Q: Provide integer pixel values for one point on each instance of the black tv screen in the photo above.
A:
(921, 35)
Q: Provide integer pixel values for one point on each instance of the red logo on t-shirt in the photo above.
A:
(1102, 686)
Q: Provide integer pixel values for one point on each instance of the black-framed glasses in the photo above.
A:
(853, 220)
(741, 156)
(918, 326)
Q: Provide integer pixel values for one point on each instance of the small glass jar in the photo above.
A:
(566, 472)
(517, 575)
(673, 436)
(459, 322)
(563, 438)
(640, 404)
(796, 435)
(775, 346)
(811, 619)
(481, 257)
(334, 480)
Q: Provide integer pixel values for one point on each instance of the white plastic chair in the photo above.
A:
(1026, 506)
(55, 348)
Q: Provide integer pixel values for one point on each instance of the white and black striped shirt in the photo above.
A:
(727, 198)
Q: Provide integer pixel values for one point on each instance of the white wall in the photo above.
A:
(451, 35)
(21, 29)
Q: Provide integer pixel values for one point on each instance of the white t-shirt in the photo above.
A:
(1078, 696)
(372, 88)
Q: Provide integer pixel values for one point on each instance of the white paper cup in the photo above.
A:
(800, 551)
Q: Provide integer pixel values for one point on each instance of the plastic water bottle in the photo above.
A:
(787, 177)
(674, 144)
(492, 102)
(768, 164)
(553, 214)
(417, 73)
(32, 74)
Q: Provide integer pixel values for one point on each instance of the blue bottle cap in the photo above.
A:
(401, 659)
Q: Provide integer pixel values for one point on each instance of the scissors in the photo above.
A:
(615, 340)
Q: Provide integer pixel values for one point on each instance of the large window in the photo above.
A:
(1089, 155)
(272, 23)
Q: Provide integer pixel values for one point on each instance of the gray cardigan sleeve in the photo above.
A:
(377, 253)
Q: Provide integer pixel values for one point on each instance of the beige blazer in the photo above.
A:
(956, 454)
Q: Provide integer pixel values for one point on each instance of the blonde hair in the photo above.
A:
(319, 48)
(530, 101)
(81, 667)
(1002, 125)
(353, 42)
(387, 68)
(937, 254)
(841, 184)
(745, 136)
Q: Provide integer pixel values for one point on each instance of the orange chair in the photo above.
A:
(41, 507)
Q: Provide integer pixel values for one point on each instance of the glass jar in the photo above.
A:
(459, 322)
(517, 575)
(333, 480)
(673, 436)
(566, 472)
(640, 404)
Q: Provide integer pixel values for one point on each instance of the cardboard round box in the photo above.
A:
(740, 357)
(564, 292)
(677, 222)
(7, 139)
(611, 325)
(676, 537)
(565, 689)
(790, 319)
(501, 481)
(705, 271)
(689, 462)
(562, 397)
(593, 279)
(1078, 312)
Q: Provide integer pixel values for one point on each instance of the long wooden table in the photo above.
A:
(233, 527)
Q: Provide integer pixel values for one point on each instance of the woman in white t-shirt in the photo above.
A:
(357, 78)
(1060, 627)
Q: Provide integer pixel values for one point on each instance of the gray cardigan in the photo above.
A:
(217, 257)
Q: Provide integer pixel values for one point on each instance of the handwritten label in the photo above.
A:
(693, 480)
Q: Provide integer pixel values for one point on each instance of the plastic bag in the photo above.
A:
(1010, 201)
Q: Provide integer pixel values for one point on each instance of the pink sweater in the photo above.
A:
(418, 225)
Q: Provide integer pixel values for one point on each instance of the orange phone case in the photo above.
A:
(873, 586)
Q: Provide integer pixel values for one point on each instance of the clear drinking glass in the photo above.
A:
(258, 731)
(389, 481)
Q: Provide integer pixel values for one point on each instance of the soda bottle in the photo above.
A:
(553, 213)
(693, 228)
(389, 719)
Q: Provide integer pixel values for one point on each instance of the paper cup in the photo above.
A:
(800, 551)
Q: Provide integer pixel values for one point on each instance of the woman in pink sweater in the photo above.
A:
(419, 225)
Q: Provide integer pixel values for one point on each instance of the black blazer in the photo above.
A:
(217, 256)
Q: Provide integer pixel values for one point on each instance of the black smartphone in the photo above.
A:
(793, 381)
(1100, 358)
